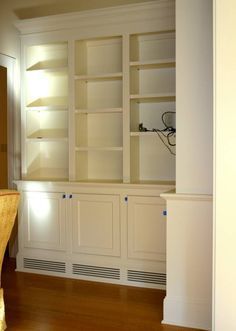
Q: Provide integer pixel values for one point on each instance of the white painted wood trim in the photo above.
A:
(9, 63)
(104, 16)
(51, 186)
(194, 197)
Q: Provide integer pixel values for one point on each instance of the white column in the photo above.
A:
(189, 210)
(194, 109)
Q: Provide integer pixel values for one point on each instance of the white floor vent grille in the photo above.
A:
(45, 265)
(94, 271)
(146, 277)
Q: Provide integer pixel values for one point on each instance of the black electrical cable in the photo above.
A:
(158, 133)
(168, 132)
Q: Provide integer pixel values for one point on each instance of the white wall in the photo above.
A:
(194, 96)
(224, 317)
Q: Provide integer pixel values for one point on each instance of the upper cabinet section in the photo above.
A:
(98, 95)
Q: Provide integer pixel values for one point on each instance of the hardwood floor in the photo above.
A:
(43, 303)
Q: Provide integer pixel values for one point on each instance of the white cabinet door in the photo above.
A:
(96, 224)
(44, 216)
(146, 228)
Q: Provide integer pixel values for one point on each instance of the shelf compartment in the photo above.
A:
(150, 114)
(46, 160)
(98, 56)
(99, 130)
(152, 46)
(151, 81)
(47, 57)
(46, 86)
(47, 125)
(99, 165)
(98, 94)
(150, 159)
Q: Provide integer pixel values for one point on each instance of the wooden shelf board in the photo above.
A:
(49, 103)
(55, 65)
(49, 134)
(158, 97)
(101, 181)
(115, 75)
(162, 63)
(40, 139)
(97, 111)
(99, 149)
(142, 133)
(153, 182)
(45, 178)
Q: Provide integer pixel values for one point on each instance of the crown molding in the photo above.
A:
(151, 10)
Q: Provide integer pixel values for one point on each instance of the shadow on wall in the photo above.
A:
(60, 7)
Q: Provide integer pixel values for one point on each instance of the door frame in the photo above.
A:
(10, 63)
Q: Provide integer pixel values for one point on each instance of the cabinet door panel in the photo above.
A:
(96, 224)
(146, 228)
(44, 215)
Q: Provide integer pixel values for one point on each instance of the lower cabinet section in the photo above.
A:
(107, 233)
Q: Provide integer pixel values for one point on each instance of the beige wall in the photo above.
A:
(224, 317)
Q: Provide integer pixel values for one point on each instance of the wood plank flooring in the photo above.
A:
(43, 303)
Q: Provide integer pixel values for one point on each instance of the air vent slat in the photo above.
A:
(45, 265)
(94, 271)
(93, 267)
(146, 277)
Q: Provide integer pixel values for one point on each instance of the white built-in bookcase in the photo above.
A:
(84, 99)
(91, 175)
